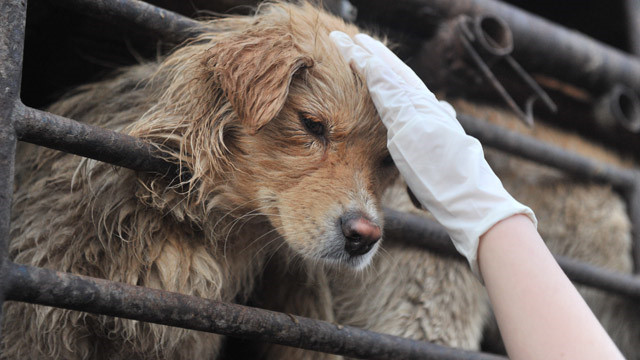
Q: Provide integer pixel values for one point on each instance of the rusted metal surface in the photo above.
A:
(168, 25)
(540, 45)
(56, 132)
(47, 287)
(417, 230)
(12, 18)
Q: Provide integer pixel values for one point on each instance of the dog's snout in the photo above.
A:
(360, 234)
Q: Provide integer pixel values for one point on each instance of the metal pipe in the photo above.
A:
(464, 56)
(493, 35)
(568, 54)
(445, 61)
(12, 18)
(538, 151)
(169, 25)
(56, 132)
(60, 133)
(98, 296)
(619, 108)
(417, 230)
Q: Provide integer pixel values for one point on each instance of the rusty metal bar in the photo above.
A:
(47, 287)
(568, 54)
(56, 132)
(169, 25)
(12, 18)
(417, 230)
(538, 151)
(60, 133)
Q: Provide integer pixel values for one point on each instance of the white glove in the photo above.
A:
(444, 167)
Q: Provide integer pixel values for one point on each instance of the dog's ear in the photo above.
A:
(254, 71)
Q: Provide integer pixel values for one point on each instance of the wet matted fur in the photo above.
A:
(233, 108)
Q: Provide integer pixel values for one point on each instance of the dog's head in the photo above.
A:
(273, 121)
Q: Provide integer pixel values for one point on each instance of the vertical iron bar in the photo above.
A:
(12, 18)
(633, 201)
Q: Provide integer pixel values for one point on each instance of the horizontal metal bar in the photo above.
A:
(168, 25)
(541, 152)
(98, 296)
(417, 230)
(540, 45)
(56, 132)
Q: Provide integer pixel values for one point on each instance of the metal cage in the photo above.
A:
(46, 287)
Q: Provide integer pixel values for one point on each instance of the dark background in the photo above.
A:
(64, 49)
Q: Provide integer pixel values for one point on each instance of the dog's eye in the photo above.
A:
(387, 161)
(312, 125)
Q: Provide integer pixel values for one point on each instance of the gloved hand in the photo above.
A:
(444, 167)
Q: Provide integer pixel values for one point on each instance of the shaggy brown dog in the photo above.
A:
(284, 149)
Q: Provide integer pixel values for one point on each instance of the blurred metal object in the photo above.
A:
(540, 45)
(619, 108)
(467, 52)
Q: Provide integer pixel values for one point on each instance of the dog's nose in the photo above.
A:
(360, 234)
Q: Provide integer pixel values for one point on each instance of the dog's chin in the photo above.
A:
(343, 259)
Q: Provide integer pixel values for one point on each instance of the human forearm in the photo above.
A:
(540, 313)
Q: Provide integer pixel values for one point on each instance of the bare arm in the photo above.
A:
(540, 313)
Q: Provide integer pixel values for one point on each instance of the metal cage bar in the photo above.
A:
(169, 25)
(417, 230)
(47, 287)
(12, 17)
(71, 291)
